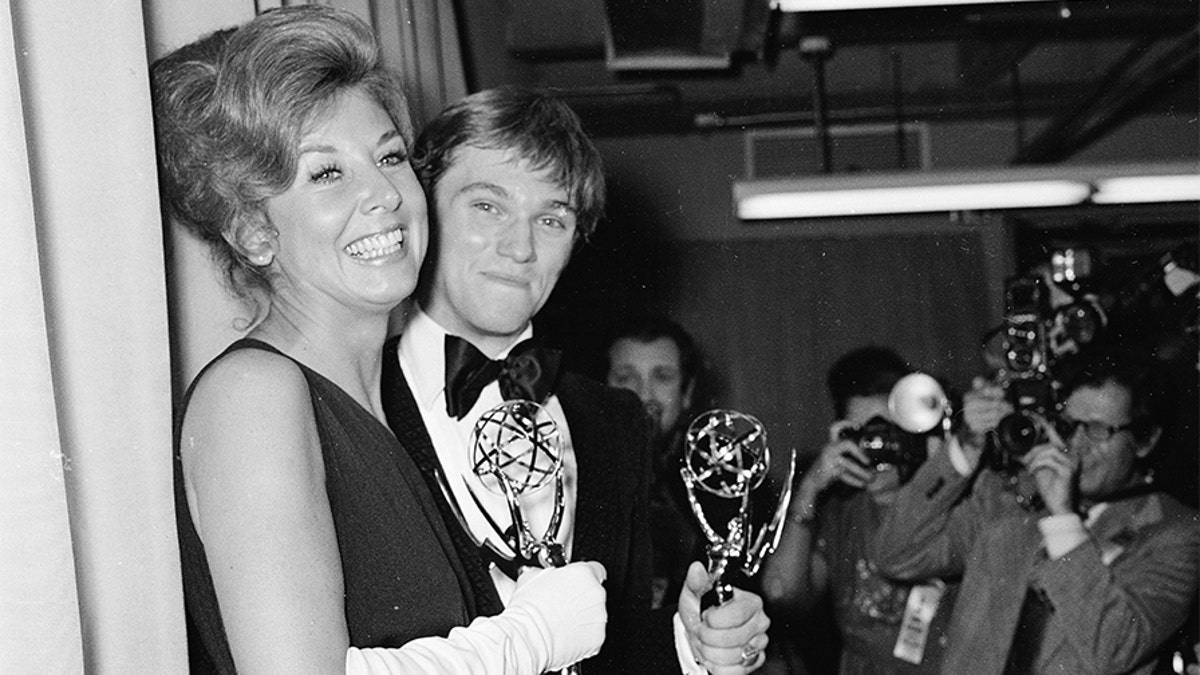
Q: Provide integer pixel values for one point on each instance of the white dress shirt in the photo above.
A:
(423, 361)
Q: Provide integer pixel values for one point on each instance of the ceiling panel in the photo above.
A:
(1045, 59)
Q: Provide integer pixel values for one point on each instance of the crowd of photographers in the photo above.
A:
(1017, 528)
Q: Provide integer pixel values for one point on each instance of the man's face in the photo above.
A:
(653, 371)
(505, 233)
(1105, 466)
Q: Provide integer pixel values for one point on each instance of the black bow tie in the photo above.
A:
(528, 372)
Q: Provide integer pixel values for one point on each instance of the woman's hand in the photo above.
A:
(570, 602)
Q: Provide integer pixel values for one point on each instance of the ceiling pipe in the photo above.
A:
(1125, 89)
(1018, 105)
(898, 103)
(816, 49)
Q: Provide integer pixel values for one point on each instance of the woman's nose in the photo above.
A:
(383, 195)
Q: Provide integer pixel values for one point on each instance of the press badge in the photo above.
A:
(918, 614)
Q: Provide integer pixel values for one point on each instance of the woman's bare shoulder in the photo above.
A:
(249, 425)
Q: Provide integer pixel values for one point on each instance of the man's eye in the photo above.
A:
(622, 381)
(396, 158)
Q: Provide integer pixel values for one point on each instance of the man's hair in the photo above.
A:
(649, 328)
(866, 371)
(1130, 369)
(230, 110)
(539, 128)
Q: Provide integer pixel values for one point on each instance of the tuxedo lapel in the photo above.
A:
(592, 481)
(401, 410)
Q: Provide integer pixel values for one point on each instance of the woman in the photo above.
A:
(309, 541)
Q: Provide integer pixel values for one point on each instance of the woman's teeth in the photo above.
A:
(377, 245)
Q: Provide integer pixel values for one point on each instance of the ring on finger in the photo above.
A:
(749, 654)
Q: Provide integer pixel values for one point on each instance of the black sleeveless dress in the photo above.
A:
(402, 577)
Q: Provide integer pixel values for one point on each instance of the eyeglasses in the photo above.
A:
(1095, 431)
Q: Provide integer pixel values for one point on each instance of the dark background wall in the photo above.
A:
(773, 304)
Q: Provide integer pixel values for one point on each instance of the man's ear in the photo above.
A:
(685, 398)
(1149, 444)
(255, 238)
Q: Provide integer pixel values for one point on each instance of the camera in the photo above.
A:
(885, 443)
(1047, 317)
(1019, 431)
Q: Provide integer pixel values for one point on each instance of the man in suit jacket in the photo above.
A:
(656, 358)
(1094, 581)
(515, 186)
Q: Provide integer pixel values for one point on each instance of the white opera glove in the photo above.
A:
(567, 603)
(556, 617)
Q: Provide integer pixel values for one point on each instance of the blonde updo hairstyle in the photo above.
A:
(230, 110)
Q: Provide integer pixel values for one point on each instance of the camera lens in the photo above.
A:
(1018, 434)
(1080, 322)
(877, 439)
(1021, 347)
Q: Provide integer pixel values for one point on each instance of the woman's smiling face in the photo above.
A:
(352, 227)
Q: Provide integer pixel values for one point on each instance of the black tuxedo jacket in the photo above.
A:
(610, 433)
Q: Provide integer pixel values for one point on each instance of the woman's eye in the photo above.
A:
(554, 223)
(325, 174)
(485, 207)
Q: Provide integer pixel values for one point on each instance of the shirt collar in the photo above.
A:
(423, 353)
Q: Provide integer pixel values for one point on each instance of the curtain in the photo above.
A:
(88, 564)
(420, 40)
(104, 315)
(39, 613)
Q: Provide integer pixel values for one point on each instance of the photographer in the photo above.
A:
(884, 626)
(1093, 575)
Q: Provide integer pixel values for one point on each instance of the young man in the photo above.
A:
(515, 186)
(1098, 578)
(655, 358)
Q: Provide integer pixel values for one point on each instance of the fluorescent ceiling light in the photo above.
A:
(1144, 189)
(669, 61)
(837, 5)
(1024, 187)
(911, 199)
